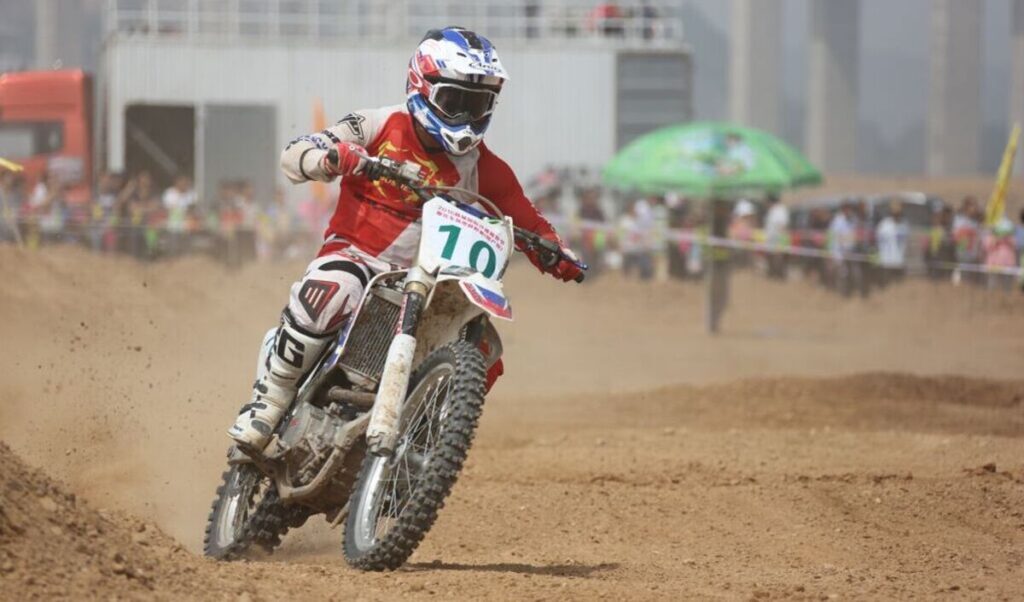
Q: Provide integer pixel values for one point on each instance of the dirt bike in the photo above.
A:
(369, 440)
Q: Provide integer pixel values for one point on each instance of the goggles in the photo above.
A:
(459, 105)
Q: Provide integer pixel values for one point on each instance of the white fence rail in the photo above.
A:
(628, 23)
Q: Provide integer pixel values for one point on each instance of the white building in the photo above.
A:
(218, 88)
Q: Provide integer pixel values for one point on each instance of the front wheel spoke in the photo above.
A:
(398, 479)
(434, 426)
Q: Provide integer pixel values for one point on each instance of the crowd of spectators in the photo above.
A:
(130, 215)
(850, 246)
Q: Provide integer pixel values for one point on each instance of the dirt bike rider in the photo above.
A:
(453, 83)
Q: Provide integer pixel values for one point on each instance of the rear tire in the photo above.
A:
(446, 395)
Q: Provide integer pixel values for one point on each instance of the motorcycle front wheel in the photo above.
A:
(396, 499)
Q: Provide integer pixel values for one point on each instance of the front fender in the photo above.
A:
(487, 294)
(454, 301)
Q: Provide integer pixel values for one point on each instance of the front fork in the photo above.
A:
(382, 431)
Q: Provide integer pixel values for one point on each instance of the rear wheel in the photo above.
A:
(396, 498)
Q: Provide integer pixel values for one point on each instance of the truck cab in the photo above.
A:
(45, 126)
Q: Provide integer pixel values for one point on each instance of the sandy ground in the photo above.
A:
(817, 448)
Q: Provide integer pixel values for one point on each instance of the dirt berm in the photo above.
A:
(818, 448)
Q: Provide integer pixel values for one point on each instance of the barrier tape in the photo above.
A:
(676, 235)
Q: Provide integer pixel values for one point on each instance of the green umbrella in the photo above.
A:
(709, 159)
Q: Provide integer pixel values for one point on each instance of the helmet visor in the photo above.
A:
(459, 105)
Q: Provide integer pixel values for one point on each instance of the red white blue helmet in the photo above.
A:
(454, 80)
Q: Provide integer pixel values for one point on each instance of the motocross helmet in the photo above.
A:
(454, 80)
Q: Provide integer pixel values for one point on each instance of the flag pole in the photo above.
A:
(997, 202)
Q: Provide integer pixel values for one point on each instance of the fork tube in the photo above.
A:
(382, 431)
(412, 308)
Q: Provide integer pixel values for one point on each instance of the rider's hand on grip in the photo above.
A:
(566, 269)
(557, 259)
(345, 159)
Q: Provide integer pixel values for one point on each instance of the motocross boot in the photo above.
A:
(286, 355)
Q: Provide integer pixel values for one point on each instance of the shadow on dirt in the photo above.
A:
(550, 570)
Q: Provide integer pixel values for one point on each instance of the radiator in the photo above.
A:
(367, 346)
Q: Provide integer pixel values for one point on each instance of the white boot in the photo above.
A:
(286, 355)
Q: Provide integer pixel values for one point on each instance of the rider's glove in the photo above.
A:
(345, 159)
(563, 269)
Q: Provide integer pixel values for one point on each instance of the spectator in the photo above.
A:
(224, 205)
(47, 207)
(648, 17)
(547, 203)
(1000, 253)
(815, 238)
(139, 208)
(861, 270)
(177, 201)
(843, 245)
(677, 250)
(743, 222)
(967, 235)
(608, 19)
(776, 233)
(842, 231)
(941, 252)
(103, 234)
(741, 228)
(637, 227)
(693, 221)
(892, 236)
(249, 212)
(107, 191)
(1019, 239)
(592, 229)
(659, 230)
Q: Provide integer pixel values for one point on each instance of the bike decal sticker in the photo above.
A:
(315, 295)
(331, 136)
(453, 237)
(354, 122)
(488, 300)
(290, 350)
(492, 257)
(452, 232)
(317, 141)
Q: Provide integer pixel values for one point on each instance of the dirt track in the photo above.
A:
(596, 472)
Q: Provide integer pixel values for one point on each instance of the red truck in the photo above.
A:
(46, 125)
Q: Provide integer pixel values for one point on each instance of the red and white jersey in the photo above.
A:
(382, 219)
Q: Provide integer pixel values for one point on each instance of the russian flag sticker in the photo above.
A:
(488, 300)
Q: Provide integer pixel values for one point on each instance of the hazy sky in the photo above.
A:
(893, 75)
(893, 71)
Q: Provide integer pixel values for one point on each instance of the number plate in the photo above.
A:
(452, 237)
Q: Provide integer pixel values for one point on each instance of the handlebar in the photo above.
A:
(532, 240)
(408, 174)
